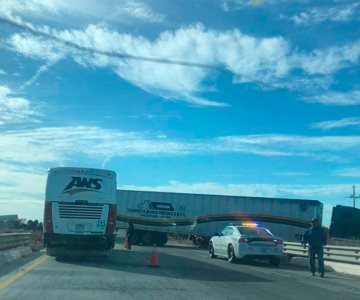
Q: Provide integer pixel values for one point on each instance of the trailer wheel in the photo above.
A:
(199, 240)
(136, 238)
(205, 242)
(161, 239)
(148, 238)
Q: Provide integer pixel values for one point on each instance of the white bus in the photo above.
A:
(80, 211)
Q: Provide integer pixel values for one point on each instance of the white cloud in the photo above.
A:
(309, 83)
(25, 181)
(139, 10)
(40, 49)
(338, 13)
(287, 145)
(9, 7)
(337, 98)
(292, 173)
(2, 72)
(37, 47)
(52, 144)
(15, 109)
(42, 69)
(348, 172)
(22, 190)
(31, 208)
(88, 10)
(329, 60)
(264, 61)
(345, 122)
(249, 58)
(234, 5)
(24, 146)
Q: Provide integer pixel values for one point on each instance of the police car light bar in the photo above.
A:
(246, 224)
(250, 224)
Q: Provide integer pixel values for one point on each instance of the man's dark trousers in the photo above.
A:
(319, 252)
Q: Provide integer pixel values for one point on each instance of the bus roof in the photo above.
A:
(79, 170)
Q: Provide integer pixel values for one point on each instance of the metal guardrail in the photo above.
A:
(343, 254)
(344, 242)
(13, 240)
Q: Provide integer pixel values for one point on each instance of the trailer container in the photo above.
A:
(155, 214)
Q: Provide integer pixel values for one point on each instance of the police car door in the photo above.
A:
(227, 239)
(223, 241)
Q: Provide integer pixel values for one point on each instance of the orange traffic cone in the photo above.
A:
(126, 244)
(154, 259)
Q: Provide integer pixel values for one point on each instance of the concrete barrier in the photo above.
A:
(344, 242)
(10, 255)
(14, 246)
(14, 240)
(343, 254)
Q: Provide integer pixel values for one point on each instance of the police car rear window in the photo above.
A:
(254, 231)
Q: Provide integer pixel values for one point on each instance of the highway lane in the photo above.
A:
(185, 273)
(9, 267)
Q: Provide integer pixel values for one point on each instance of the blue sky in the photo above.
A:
(269, 105)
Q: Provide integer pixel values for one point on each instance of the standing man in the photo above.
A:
(317, 239)
(129, 234)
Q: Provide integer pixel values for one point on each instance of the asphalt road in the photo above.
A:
(184, 273)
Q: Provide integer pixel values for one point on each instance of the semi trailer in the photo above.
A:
(156, 214)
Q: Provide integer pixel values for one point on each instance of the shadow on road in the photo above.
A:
(172, 266)
(265, 264)
(170, 244)
(182, 247)
(19, 263)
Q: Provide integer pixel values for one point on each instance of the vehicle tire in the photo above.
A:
(136, 238)
(161, 239)
(51, 252)
(205, 242)
(274, 261)
(148, 238)
(231, 255)
(212, 251)
(195, 242)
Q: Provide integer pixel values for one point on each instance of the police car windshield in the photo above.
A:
(254, 231)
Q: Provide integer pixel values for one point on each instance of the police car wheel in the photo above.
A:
(231, 254)
(212, 251)
(274, 261)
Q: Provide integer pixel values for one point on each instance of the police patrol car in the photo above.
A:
(247, 240)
